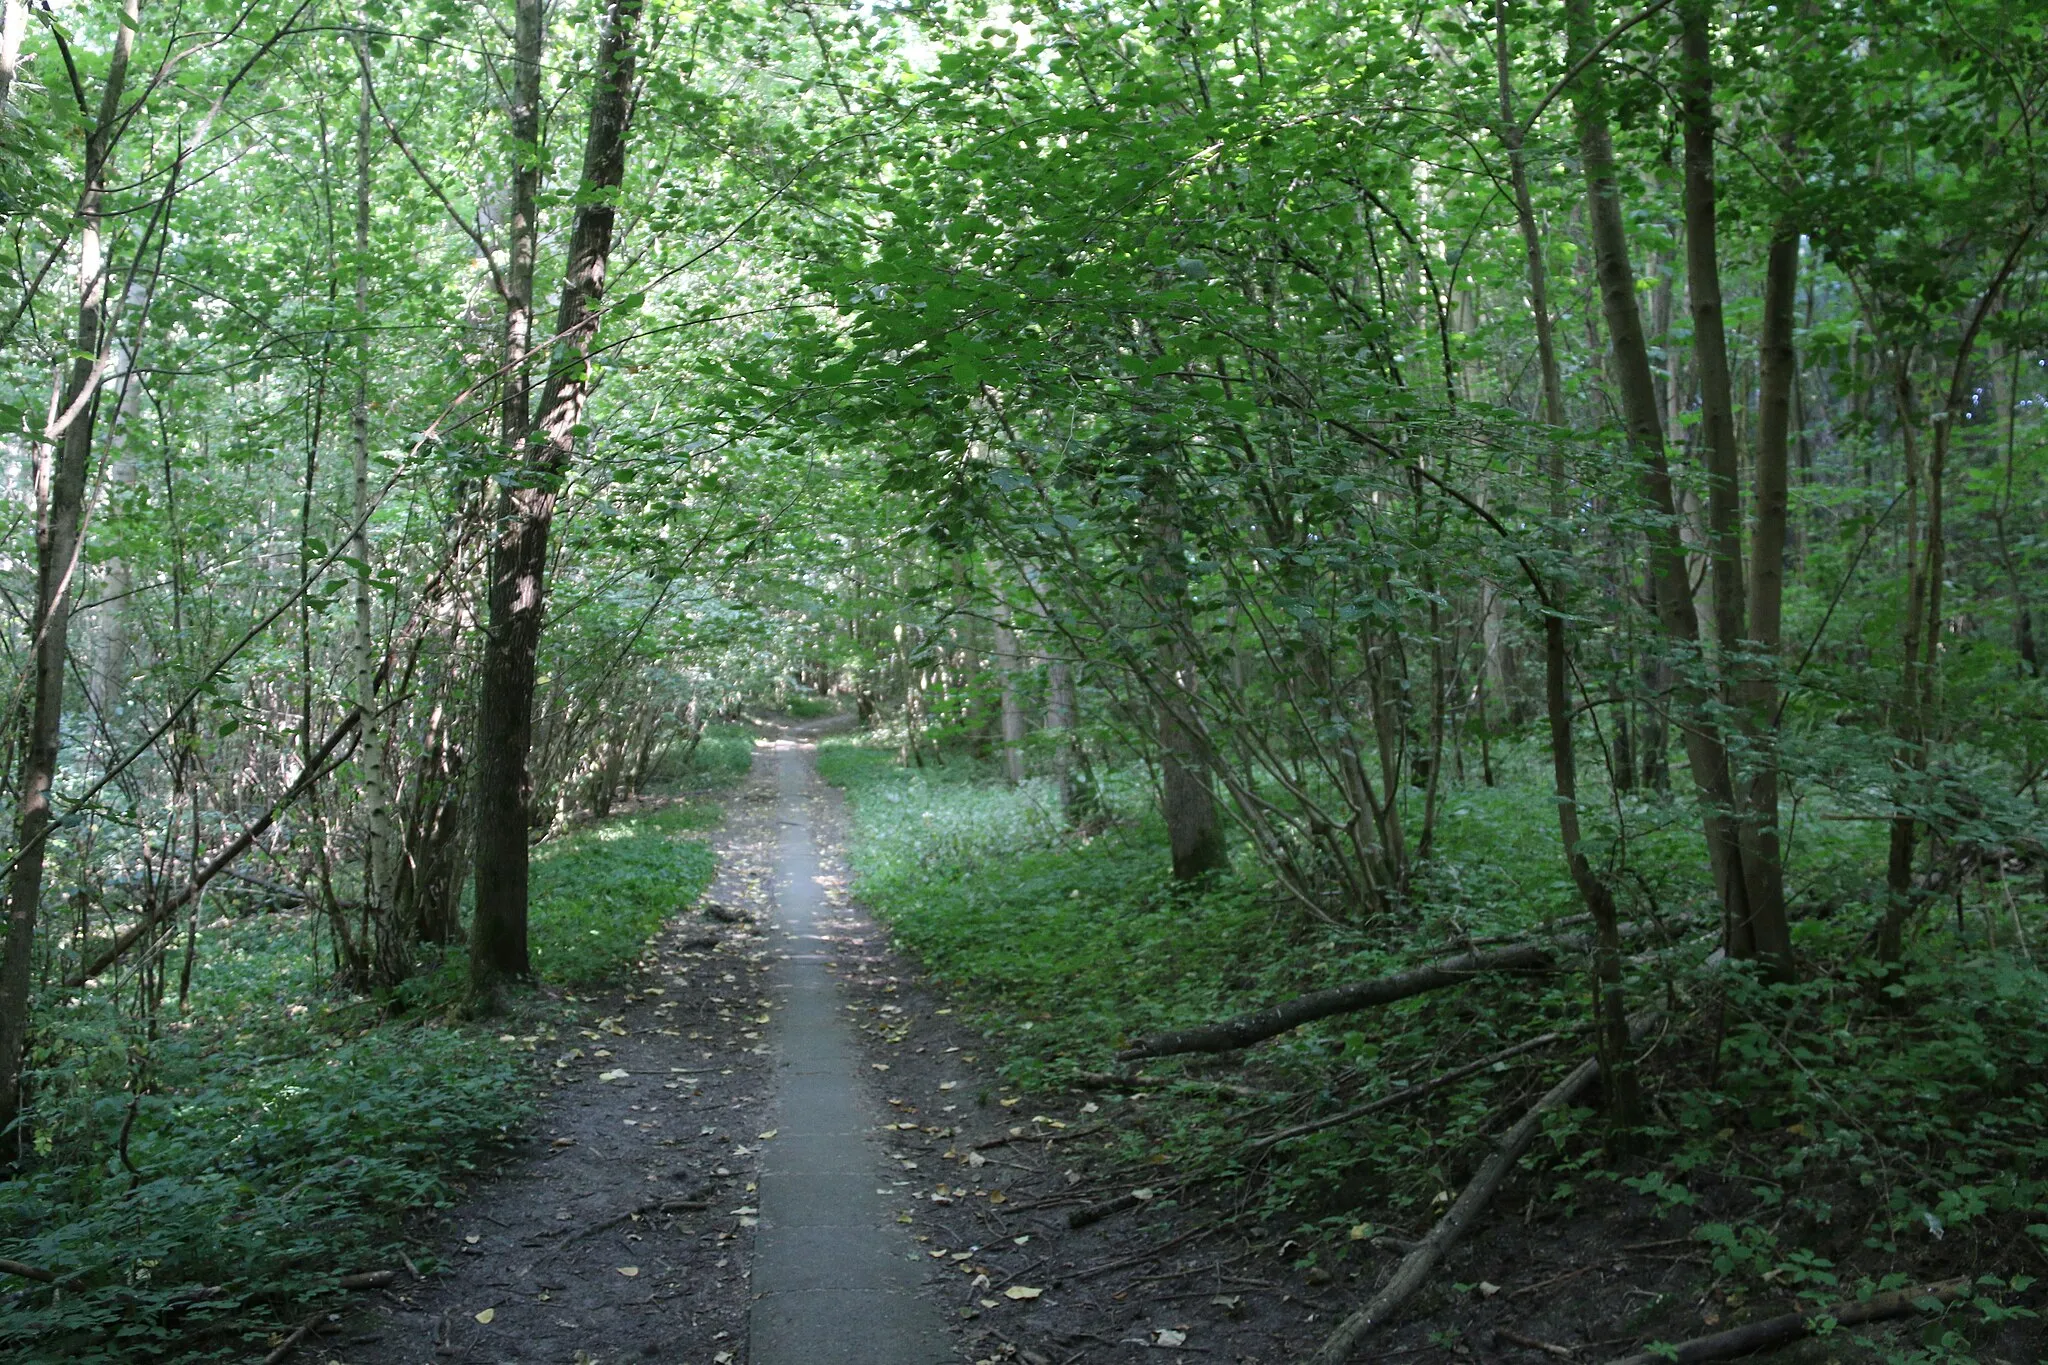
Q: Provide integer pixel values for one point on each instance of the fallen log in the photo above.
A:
(1789, 1327)
(1258, 1025)
(370, 1279)
(27, 1272)
(1413, 1092)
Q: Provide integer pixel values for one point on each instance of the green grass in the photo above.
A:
(602, 891)
(1841, 1116)
(723, 756)
(280, 1132)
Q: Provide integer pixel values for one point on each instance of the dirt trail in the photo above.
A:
(622, 1229)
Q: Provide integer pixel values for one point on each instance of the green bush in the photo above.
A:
(270, 1145)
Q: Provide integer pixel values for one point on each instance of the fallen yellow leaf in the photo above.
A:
(629, 1271)
(487, 1315)
(1018, 1291)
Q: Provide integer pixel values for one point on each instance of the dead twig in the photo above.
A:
(1063, 1136)
(1257, 1025)
(1416, 1266)
(370, 1279)
(1788, 1327)
(1549, 1348)
(1403, 1096)
(291, 1343)
(1123, 1262)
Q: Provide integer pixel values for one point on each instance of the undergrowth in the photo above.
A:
(196, 1177)
(1844, 1134)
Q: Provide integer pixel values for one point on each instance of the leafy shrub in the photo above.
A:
(191, 1188)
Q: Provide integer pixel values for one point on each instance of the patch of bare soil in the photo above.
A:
(621, 1228)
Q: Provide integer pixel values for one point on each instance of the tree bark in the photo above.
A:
(1677, 616)
(391, 950)
(524, 513)
(1762, 864)
(1709, 336)
(1258, 1025)
(1194, 829)
(13, 27)
(1610, 1010)
(1007, 667)
(58, 552)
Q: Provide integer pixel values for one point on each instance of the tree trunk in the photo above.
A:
(1610, 1011)
(525, 512)
(1709, 337)
(1630, 356)
(1007, 667)
(1194, 829)
(1761, 862)
(391, 948)
(13, 27)
(58, 545)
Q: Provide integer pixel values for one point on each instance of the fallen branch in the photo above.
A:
(27, 1272)
(290, 1343)
(1064, 1135)
(217, 864)
(1417, 1264)
(1788, 1327)
(1258, 1025)
(1549, 1348)
(1095, 1213)
(1413, 1092)
(370, 1279)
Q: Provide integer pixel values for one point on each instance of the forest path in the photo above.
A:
(836, 1279)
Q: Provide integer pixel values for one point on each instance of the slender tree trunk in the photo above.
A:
(1677, 616)
(1709, 337)
(524, 515)
(1007, 668)
(1194, 829)
(1762, 864)
(58, 547)
(1610, 1009)
(391, 949)
(13, 27)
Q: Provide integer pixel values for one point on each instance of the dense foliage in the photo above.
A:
(1365, 478)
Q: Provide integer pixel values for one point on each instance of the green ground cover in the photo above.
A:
(1844, 1132)
(200, 1175)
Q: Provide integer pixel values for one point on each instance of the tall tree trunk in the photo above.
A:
(1706, 755)
(58, 547)
(1610, 1009)
(1762, 862)
(13, 27)
(1194, 828)
(525, 511)
(1709, 336)
(391, 950)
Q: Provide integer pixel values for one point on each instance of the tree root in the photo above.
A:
(1789, 1327)
(1258, 1025)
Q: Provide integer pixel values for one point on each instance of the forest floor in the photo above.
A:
(630, 1225)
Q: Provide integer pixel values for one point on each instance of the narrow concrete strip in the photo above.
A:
(835, 1279)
